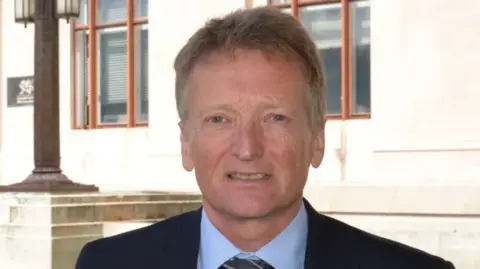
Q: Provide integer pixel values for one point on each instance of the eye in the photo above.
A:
(217, 119)
(278, 117)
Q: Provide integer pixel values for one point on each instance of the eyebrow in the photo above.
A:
(229, 107)
(223, 107)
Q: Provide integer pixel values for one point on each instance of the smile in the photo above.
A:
(248, 176)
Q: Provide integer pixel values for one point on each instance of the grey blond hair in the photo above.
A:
(263, 28)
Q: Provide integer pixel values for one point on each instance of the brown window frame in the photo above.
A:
(92, 27)
(346, 60)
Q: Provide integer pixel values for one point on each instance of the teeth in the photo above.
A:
(247, 176)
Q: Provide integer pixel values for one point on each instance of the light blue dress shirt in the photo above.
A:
(286, 251)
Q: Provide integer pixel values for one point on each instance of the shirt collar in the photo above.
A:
(215, 249)
(285, 251)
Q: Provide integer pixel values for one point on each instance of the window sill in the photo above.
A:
(111, 126)
(361, 116)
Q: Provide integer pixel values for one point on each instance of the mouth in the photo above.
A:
(248, 176)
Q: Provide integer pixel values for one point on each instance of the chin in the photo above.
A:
(249, 209)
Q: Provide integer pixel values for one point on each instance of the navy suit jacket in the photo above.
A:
(174, 244)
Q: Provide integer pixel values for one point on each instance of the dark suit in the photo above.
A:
(174, 243)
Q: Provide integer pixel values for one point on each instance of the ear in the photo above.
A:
(318, 147)
(185, 137)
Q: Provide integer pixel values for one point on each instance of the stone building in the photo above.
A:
(403, 135)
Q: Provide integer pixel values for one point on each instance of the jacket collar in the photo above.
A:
(324, 245)
(181, 245)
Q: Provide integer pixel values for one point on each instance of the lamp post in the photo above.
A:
(46, 175)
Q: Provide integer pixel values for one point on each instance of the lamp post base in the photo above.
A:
(55, 182)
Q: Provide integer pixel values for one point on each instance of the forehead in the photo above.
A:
(235, 61)
(246, 74)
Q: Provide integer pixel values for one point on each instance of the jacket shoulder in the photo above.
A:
(373, 251)
(129, 247)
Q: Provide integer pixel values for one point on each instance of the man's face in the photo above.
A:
(247, 135)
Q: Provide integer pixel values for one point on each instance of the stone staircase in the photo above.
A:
(52, 228)
(128, 212)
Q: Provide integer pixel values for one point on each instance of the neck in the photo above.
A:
(252, 234)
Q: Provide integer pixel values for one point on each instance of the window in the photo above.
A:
(110, 65)
(341, 31)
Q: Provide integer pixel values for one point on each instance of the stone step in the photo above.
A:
(101, 207)
(112, 228)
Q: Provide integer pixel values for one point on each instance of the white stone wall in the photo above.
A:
(452, 238)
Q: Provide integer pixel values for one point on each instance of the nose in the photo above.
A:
(247, 142)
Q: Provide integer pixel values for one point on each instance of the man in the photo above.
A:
(251, 100)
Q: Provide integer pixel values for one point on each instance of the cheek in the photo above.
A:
(207, 152)
(284, 148)
(284, 138)
(290, 148)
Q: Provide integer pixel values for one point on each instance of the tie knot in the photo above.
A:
(236, 263)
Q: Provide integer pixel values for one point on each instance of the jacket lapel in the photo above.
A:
(179, 248)
(323, 249)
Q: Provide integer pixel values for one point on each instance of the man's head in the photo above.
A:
(251, 100)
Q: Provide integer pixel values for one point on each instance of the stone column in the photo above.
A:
(46, 175)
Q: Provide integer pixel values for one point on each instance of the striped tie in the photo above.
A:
(236, 263)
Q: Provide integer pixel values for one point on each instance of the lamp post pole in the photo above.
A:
(46, 175)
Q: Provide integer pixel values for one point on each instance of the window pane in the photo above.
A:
(82, 78)
(111, 11)
(360, 52)
(287, 10)
(141, 69)
(141, 8)
(83, 18)
(323, 22)
(112, 79)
